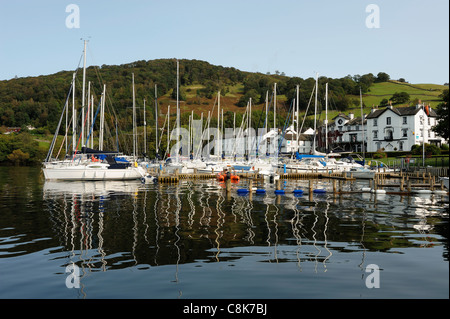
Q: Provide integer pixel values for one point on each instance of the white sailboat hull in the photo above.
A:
(89, 173)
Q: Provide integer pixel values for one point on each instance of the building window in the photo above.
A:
(405, 132)
(375, 122)
(389, 135)
(388, 121)
(378, 146)
(375, 134)
(400, 146)
(429, 121)
(405, 120)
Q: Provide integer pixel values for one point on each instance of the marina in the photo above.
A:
(224, 159)
(193, 239)
(241, 215)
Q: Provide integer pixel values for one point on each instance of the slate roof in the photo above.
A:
(341, 115)
(400, 111)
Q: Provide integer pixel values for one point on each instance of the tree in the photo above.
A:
(430, 149)
(18, 157)
(400, 97)
(382, 77)
(384, 102)
(442, 127)
(246, 97)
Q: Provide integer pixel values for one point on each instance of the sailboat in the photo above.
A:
(90, 164)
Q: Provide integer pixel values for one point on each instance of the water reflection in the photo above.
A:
(107, 226)
(196, 221)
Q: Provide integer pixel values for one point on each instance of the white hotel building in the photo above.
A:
(389, 128)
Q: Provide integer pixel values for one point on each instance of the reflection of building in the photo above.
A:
(398, 129)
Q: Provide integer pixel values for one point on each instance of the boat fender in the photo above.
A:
(422, 191)
(279, 191)
(260, 191)
(298, 191)
(319, 191)
(378, 191)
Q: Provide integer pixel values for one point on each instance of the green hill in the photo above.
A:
(38, 101)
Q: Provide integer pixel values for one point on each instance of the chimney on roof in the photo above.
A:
(351, 116)
(419, 104)
(373, 108)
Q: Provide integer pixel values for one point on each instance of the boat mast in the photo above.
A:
(74, 116)
(88, 117)
(178, 116)
(102, 118)
(145, 133)
(266, 124)
(92, 121)
(275, 107)
(326, 118)
(168, 129)
(191, 132)
(83, 93)
(156, 119)
(250, 127)
(222, 140)
(67, 119)
(297, 107)
(362, 121)
(218, 125)
(134, 121)
(315, 114)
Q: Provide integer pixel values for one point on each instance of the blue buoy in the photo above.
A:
(298, 191)
(242, 191)
(279, 191)
(260, 191)
(319, 191)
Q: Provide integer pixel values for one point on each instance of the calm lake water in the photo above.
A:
(191, 240)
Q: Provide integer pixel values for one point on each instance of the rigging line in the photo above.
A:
(52, 145)
(78, 144)
(65, 137)
(240, 132)
(92, 127)
(258, 141)
(208, 120)
(280, 142)
(162, 132)
(307, 108)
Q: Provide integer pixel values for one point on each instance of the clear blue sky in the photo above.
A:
(296, 37)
